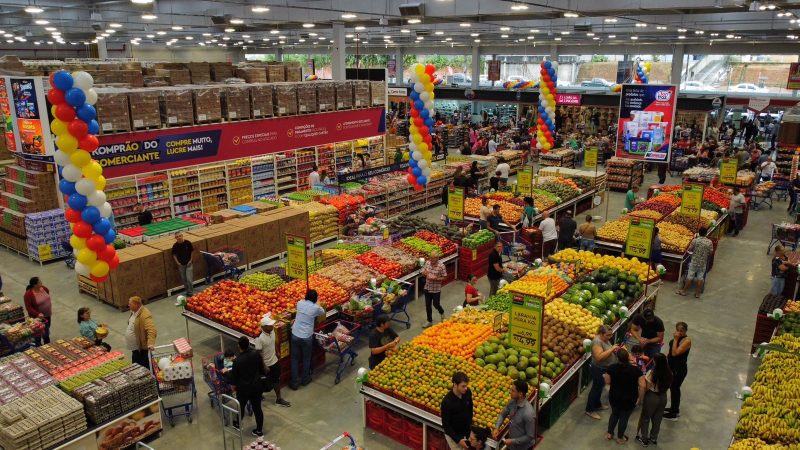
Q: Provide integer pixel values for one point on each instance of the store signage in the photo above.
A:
(5, 109)
(590, 158)
(794, 76)
(716, 103)
(758, 104)
(397, 92)
(646, 118)
(296, 257)
(525, 322)
(568, 99)
(728, 170)
(493, 70)
(31, 127)
(455, 203)
(380, 170)
(525, 180)
(146, 151)
(640, 237)
(391, 68)
(692, 199)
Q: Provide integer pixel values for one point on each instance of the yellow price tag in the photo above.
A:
(385, 233)
(692, 200)
(525, 180)
(474, 254)
(640, 237)
(455, 203)
(590, 158)
(297, 258)
(728, 170)
(525, 322)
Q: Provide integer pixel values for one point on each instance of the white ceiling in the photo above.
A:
(378, 23)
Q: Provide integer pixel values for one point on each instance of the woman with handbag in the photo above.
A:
(246, 376)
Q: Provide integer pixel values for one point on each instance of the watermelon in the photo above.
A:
(598, 304)
(609, 296)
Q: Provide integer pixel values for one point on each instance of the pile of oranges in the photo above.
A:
(540, 285)
(455, 338)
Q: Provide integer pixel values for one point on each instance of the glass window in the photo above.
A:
(737, 74)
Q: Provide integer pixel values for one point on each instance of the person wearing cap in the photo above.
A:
(303, 338)
(265, 346)
(648, 330)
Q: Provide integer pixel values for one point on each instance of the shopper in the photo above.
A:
(246, 376)
(474, 175)
(88, 328)
(39, 305)
(522, 419)
(779, 269)
(434, 273)
(503, 168)
(494, 181)
(794, 191)
(492, 145)
(313, 177)
(398, 155)
(326, 180)
(456, 410)
(662, 172)
(182, 254)
(265, 347)
(623, 380)
(566, 231)
(587, 233)
(381, 340)
(630, 198)
(549, 235)
(768, 169)
(603, 356)
(486, 211)
(141, 332)
(471, 295)
(648, 330)
(655, 252)
(701, 248)
(459, 179)
(495, 270)
(743, 157)
(654, 399)
(303, 338)
(528, 212)
(144, 217)
(678, 356)
(478, 437)
(737, 210)
(466, 149)
(494, 220)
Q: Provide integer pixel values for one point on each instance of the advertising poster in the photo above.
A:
(148, 151)
(525, 322)
(493, 71)
(391, 68)
(640, 238)
(28, 111)
(8, 117)
(130, 430)
(646, 117)
(568, 99)
(794, 76)
(297, 258)
(455, 203)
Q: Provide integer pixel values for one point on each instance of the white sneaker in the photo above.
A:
(427, 324)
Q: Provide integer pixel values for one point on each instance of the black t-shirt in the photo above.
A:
(776, 271)
(461, 181)
(457, 415)
(183, 251)
(649, 329)
(494, 258)
(379, 339)
(145, 218)
(494, 182)
(567, 228)
(624, 388)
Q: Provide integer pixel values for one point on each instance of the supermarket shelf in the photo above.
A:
(91, 433)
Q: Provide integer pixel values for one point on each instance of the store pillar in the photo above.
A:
(102, 51)
(279, 54)
(338, 52)
(476, 68)
(398, 57)
(678, 52)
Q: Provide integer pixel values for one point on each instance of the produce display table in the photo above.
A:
(582, 202)
(124, 431)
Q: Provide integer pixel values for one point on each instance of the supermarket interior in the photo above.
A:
(263, 224)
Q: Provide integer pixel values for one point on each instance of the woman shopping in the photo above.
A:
(471, 295)
(39, 306)
(678, 356)
(89, 328)
(602, 357)
(654, 391)
(623, 379)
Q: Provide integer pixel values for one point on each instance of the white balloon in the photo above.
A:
(425, 96)
(427, 172)
(72, 173)
(91, 96)
(105, 210)
(423, 164)
(539, 145)
(85, 186)
(414, 78)
(61, 158)
(97, 198)
(419, 88)
(82, 269)
(82, 80)
(417, 156)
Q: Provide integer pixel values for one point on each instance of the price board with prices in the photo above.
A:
(525, 180)
(525, 323)
(296, 257)
(728, 170)
(455, 203)
(590, 158)
(692, 200)
(640, 238)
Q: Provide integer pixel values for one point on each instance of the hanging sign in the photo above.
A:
(728, 170)
(590, 158)
(758, 104)
(646, 119)
(692, 199)
(640, 237)
(455, 203)
(296, 257)
(525, 179)
(525, 322)
(493, 71)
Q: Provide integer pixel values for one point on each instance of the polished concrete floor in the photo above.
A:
(720, 324)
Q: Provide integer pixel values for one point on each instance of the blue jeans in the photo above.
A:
(587, 244)
(301, 348)
(777, 285)
(596, 391)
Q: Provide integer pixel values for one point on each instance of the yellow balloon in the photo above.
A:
(425, 78)
(92, 171)
(58, 127)
(648, 65)
(87, 256)
(100, 183)
(80, 157)
(66, 143)
(429, 88)
(423, 147)
(53, 110)
(413, 130)
(419, 69)
(100, 269)
(427, 155)
(417, 138)
(76, 242)
(71, 226)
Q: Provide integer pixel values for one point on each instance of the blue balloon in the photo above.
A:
(102, 226)
(66, 187)
(424, 114)
(549, 123)
(94, 127)
(110, 236)
(91, 214)
(60, 172)
(422, 180)
(419, 105)
(77, 201)
(75, 97)
(86, 113)
(416, 171)
(414, 95)
(412, 162)
(63, 80)
(548, 65)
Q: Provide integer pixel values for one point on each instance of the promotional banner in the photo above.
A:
(296, 257)
(525, 179)
(30, 114)
(391, 68)
(455, 203)
(525, 322)
(758, 104)
(728, 170)
(794, 76)
(692, 199)
(646, 118)
(590, 158)
(5, 109)
(493, 70)
(147, 151)
(640, 237)
(568, 99)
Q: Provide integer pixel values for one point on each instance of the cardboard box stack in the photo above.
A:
(175, 76)
(154, 281)
(326, 95)
(200, 72)
(113, 113)
(378, 92)
(285, 99)
(11, 65)
(118, 77)
(361, 93)
(26, 191)
(177, 106)
(220, 71)
(123, 283)
(41, 420)
(207, 104)
(307, 97)
(261, 100)
(117, 393)
(236, 102)
(46, 231)
(344, 95)
(252, 74)
(145, 108)
(294, 71)
(276, 72)
(172, 277)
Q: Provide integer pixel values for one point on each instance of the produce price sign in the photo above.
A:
(525, 322)
(640, 238)
(728, 170)
(590, 158)
(646, 118)
(455, 203)
(297, 258)
(692, 199)
(525, 179)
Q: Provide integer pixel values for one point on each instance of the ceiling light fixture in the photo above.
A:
(350, 36)
(308, 25)
(565, 32)
(246, 36)
(640, 25)
(590, 34)
(699, 32)
(414, 21)
(531, 37)
(681, 37)
(111, 31)
(177, 28)
(477, 40)
(237, 21)
(188, 38)
(437, 33)
(474, 34)
(612, 36)
(230, 30)
(360, 28)
(729, 36)
(634, 38)
(534, 30)
(610, 20)
(161, 33)
(596, 38)
(312, 34)
(42, 22)
(274, 31)
(141, 2)
(519, 7)
(661, 27)
(557, 39)
(151, 36)
(33, 10)
(571, 14)
(51, 29)
(405, 30)
(259, 9)
(349, 16)
(448, 39)
(465, 24)
(505, 28)
(504, 36)
(682, 30)
(115, 25)
(714, 34)
(149, 17)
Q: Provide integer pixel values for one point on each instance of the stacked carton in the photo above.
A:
(361, 90)
(261, 100)
(207, 104)
(294, 71)
(175, 77)
(378, 92)
(344, 95)
(326, 95)
(200, 72)
(285, 99)
(236, 102)
(177, 106)
(123, 282)
(163, 246)
(276, 72)
(46, 231)
(307, 97)
(252, 74)
(26, 191)
(113, 113)
(145, 108)
(221, 71)
(40, 420)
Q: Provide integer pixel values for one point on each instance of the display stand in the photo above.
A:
(98, 437)
(624, 174)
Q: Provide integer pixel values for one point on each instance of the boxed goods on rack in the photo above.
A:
(294, 71)
(175, 77)
(41, 420)
(344, 95)
(113, 112)
(19, 376)
(276, 72)
(207, 104)
(46, 231)
(236, 102)
(221, 71)
(324, 220)
(10, 312)
(378, 92)
(307, 97)
(326, 95)
(177, 106)
(261, 100)
(120, 391)
(200, 72)
(145, 108)
(361, 98)
(285, 99)
(252, 74)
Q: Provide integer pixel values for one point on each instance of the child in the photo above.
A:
(88, 327)
(639, 359)
(224, 363)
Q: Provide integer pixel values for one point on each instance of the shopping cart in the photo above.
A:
(350, 446)
(217, 383)
(69, 260)
(175, 380)
(339, 338)
(225, 262)
(396, 308)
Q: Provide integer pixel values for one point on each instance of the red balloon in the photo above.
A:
(412, 179)
(417, 187)
(410, 171)
(430, 69)
(56, 96)
(78, 128)
(114, 262)
(89, 143)
(82, 229)
(52, 74)
(96, 243)
(419, 122)
(414, 112)
(107, 253)
(65, 112)
(99, 279)
(72, 215)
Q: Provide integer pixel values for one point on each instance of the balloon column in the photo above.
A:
(546, 127)
(82, 182)
(311, 77)
(642, 71)
(420, 140)
(522, 84)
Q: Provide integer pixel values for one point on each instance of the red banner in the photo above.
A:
(568, 99)
(147, 151)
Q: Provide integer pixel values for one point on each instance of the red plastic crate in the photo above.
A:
(397, 433)
(393, 419)
(376, 417)
(413, 433)
(436, 440)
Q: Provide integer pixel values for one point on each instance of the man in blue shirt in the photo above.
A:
(522, 419)
(303, 338)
